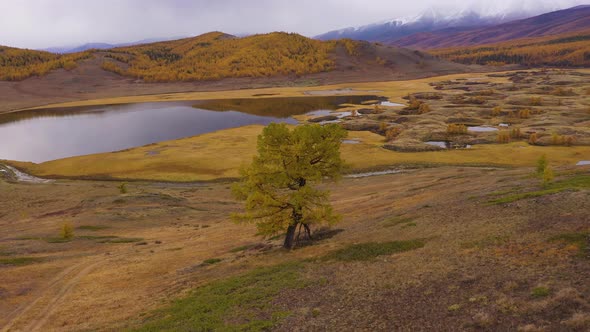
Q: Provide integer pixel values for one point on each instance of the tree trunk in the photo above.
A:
(290, 237)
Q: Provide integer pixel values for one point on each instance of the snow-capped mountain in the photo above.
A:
(429, 20)
(554, 23)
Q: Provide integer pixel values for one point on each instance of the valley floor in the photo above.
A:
(496, 251)
(460, 239)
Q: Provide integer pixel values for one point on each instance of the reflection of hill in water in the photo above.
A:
(283, 106)
(56, 113)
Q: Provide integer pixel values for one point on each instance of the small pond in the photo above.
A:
(482, 129)
(43, 135)
(390, 104)
(448, 145)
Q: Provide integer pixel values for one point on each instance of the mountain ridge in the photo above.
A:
(553, 23)
(429, 20)
(104, 46)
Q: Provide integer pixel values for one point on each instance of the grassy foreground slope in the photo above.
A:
(430, 249)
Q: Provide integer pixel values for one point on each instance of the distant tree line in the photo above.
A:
(570, 50)
(17, 64)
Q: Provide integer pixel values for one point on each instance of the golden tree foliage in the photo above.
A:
(216, 55)
(568, 50)
(17, 64)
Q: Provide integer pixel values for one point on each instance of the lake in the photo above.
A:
(49, 134)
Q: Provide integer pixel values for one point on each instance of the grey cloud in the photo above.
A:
(44, 23)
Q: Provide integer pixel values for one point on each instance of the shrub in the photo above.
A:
(392, 133)
(533, 138)
(541, 164)
(569, 140)
(456, 129)
(67, 231)
(383, 126)
(548, 176)
(541, 291)
(524, 114)
(563, 92)
(496, 111)
(378, 109)
(414, 103)
(503, 137)
(536, 101)
(476, 100)
(515, 133)
(566, 140)
(122, 188)
(556, 139)
(424, 108)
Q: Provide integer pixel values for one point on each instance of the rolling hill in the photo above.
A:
(554, 23)
(213, 61)
(216, 55)
(564, 50)
(17, 64)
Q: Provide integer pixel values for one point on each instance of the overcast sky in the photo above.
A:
(46, 23)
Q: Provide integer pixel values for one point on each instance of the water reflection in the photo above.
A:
(43, 135)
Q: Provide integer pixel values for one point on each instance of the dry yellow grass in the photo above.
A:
(395, 90)
(88, 285)
(220, 155)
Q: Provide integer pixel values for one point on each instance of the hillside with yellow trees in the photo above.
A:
(17, 64)
(566, 50)
(217, 55)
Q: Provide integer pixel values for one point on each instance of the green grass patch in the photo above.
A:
(242, 303)
(539, 292)
(211, 261)
(93, 227)
(19, 261)
(276, 237)
(97, 237)
(241, 248)
(371, 250)
(503, 192)
(26, 238)
(398, 220)
(580, 240)
(574, 183)
(58, 240)
(121, 240)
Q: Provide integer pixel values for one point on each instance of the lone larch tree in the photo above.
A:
(278, 187)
